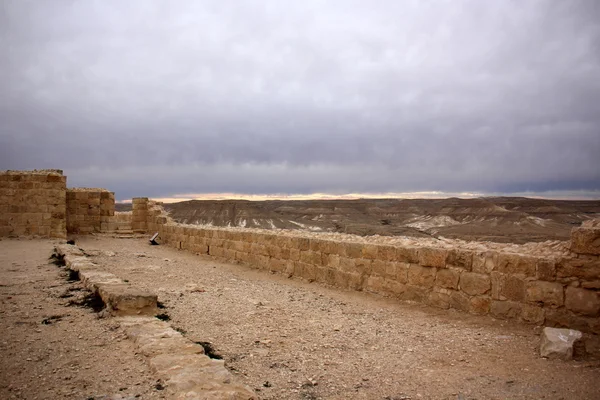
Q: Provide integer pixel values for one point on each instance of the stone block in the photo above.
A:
(439, 300)
(414, 293)
(421, 276)
(517, 264)
(407, 255)
(459, 301)
(363, 266)
(505, 309)
(480, 305)
(585, 240)
(558, 343)
(532, 314)
(387, 253)
(447, 278)
(122, 299)
(578, 268)
(460, 258)
(546, 269)
(485, 262)
(582, 301)
(545, 293)
(433, 257)
(512, 288)
(353, 250)
(474, 284)
(370, 251)
(402, 272)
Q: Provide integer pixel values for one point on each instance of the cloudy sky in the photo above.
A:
(164, 98)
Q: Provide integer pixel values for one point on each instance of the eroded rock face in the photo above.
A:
(558, 343)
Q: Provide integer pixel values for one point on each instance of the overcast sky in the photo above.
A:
(158, 98)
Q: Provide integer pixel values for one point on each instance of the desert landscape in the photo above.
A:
(292, 306)
(496, 219)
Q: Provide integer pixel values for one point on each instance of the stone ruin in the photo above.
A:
(557, 288)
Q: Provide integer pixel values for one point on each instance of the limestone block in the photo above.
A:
(546, 269)
(459, 301)
(586, 240)
(507, 287)
(421, 276)
(414, 293)
(123, 299)
(353, 250)
(387, 253)
(370, 251)
(407, 254)
(363, 266)
(439, 300)
(561, 317)
(485, 262)
(432, 257)
(402, 272)
(558, 343)
(516, 264)
(578, 268)
(460, 259)
(546, 293)
(532, 314)
(447, 278)
(505, 309)
(480, 305)
(474, 284)
(582, 301)
(331, 261)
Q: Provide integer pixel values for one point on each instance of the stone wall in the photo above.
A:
(558, 291)
(33, 203)
(89, 210)
(139, 218)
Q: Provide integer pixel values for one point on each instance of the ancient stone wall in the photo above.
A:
(89, 210)
(139, 218)
(552, 290)
(33, 203)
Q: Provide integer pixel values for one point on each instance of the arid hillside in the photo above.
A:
(499, 219)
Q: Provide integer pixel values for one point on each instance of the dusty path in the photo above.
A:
(53, 351)
(293, 340)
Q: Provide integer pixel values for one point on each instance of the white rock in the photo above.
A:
(558, 343)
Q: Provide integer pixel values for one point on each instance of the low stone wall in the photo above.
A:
(119, 222)
(89, 210)
(33, 203)
(560, 291)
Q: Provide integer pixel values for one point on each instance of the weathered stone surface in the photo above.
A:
(558, 343)
(578, 268)
(512, 288)
(414, 293)
(505, 309)
(440, 300)
(447, 278)
(485, 262)
(181, 364)
(547, 293)
(432, 257)
(460, 258)
(480, 305)
(546, 269)
(460, 301)
(516, 264)
(474, 284)
(583, 301)
(421, 276)
(532, 314)
(586, 240)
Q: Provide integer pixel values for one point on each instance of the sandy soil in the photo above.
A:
(289, 339)
(51, 350)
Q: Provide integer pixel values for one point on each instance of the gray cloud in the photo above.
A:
(157, 98)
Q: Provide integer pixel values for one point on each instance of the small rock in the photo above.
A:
(558, 343)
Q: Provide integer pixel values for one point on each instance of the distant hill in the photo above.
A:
(499, 219)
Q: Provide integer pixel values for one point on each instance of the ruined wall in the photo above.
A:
(89, 210)
(33, 203)
(552, 290)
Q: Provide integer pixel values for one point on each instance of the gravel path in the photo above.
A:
(50, 350)
(289, 339)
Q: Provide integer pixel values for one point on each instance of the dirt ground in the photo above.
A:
(285, 338)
